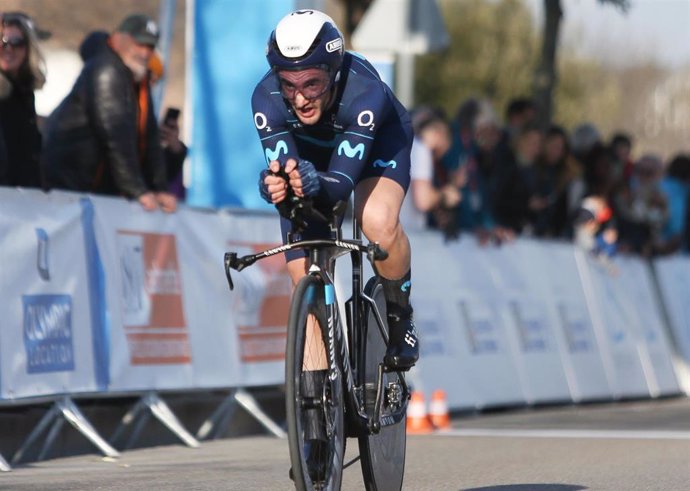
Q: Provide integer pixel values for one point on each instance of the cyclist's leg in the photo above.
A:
(377, 207)
(314, 410)
(315, 362)
(378, 198)
(315, 351)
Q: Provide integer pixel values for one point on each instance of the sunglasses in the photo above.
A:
(14, 42)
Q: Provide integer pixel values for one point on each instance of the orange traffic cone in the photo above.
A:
(417, 420)
(438, 410)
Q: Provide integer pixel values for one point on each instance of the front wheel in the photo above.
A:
(316, 464)
(383, 454)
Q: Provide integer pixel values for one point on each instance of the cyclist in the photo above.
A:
(328, 121)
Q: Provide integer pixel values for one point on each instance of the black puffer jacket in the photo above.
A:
(91, 142)
(20, 140)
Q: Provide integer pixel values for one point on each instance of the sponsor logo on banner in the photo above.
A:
(48, 333)
(576, 328)
(261, 304)
(434, 341)
(480, 327)
(151, 299)
(531, 327)
(42, 253)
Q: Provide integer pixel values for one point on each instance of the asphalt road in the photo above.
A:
(623, 447)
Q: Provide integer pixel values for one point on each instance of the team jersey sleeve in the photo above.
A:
(272, 125)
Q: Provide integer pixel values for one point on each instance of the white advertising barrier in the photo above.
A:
(640, 292)
(447, 360)
(256, 311)
(175, 323)
(673, 278)
(206, 299)
(615, 317)
(556, 270)
(537, 346)
(474, 332)
(150, 334)
(47, 344)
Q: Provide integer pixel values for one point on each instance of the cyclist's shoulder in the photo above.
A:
(266, 91)
(364, 88)
(361, 77)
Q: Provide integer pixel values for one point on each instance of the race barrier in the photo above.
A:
(103, 299)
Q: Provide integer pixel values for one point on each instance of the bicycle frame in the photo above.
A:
(322, 256)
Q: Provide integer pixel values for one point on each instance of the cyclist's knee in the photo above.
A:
(381, 224)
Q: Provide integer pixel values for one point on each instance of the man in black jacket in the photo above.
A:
(103, 138)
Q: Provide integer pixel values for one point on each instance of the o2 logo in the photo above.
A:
(366, 119)
(261, 122)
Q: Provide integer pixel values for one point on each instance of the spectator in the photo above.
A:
(174, 151)
(22, 70)
(641, 208)
(431, 142)
(557, 175)
(595, 232)
(103, 138)
(475, 136)
(621, 152)
(515, 197)
(4, 164)
(583, 139)
(675, 187)
(520, 112)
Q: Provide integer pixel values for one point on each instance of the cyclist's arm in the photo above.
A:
(271, 122)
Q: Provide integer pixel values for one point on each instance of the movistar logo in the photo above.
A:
(281, 147)
(405, 286)
(382, 163)
(347, 149)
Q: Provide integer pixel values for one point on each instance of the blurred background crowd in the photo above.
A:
(501, 175)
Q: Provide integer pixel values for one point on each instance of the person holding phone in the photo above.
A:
(104, 137)
(175, 151)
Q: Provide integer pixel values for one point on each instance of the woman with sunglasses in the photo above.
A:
(22, 70)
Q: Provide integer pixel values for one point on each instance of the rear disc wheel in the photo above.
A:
(383, 454)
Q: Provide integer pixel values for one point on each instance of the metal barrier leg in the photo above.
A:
(216, 424)
(129, 417)
(151, 404)
(70, 412)
(75, 417)
(4, 466)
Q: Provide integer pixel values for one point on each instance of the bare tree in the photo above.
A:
(545, 76)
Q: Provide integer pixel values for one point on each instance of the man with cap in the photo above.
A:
(103, 138)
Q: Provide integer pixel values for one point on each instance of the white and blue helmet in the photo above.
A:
(306, 39)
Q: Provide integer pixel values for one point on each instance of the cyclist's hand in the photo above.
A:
(273, 188)
(304, 179)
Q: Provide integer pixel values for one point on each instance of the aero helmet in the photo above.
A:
(306, 39)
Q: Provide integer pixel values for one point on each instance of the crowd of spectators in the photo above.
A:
(516, 178)
(104, 137)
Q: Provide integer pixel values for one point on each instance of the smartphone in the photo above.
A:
(171, 116)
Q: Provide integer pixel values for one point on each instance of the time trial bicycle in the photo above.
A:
(361, 397)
